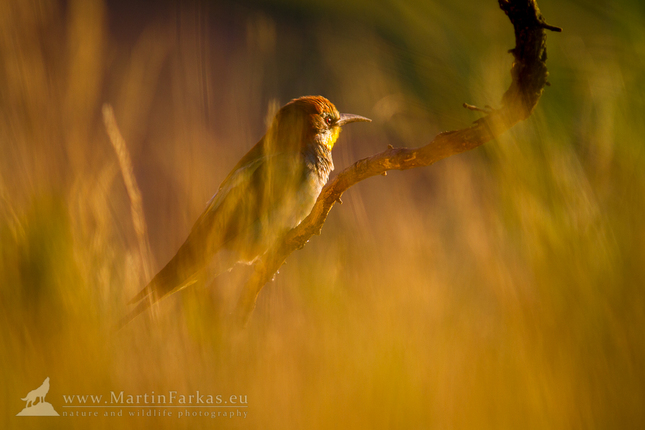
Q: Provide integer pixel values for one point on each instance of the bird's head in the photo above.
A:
(312, 119)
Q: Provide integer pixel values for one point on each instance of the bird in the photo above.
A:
(268, 192)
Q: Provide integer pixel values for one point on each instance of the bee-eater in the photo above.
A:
(270, 191)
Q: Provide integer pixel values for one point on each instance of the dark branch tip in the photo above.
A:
(486, 109)
(551, 27)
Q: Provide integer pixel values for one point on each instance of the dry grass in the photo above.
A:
(502, 288)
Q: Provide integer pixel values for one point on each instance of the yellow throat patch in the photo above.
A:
(333, 137)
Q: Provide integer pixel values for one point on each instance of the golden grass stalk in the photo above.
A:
(136, 207)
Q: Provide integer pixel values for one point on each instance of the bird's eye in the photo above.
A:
(329, 120)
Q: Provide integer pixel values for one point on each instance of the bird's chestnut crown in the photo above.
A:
(319, 117)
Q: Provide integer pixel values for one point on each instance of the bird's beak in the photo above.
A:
(346, 118)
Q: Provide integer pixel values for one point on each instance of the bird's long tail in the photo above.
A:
(179, 273)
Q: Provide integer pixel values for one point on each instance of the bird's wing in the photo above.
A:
(243, 204)
(252, 200)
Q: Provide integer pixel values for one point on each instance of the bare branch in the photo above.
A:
(529, 76)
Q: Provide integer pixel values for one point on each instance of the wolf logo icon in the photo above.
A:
(36, 404)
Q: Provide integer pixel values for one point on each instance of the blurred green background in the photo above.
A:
(501, 288)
